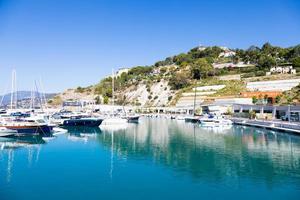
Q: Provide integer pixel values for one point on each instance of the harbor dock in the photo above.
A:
(291, 127)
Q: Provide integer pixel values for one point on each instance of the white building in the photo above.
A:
(231, 64)
(226, 54)
(283, 70)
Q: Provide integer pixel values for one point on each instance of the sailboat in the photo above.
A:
(131, 117)
(193, 118)
(20, 123)
(114, 119)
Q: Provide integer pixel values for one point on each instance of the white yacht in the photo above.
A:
(114, 118)
(215, 121)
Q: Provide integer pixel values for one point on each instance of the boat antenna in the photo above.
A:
(13, 95)
(16, 91)
(38, 94)
(43, 93)
(195, 94)
(32, 98)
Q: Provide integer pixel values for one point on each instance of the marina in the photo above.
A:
(235, 162)
(149, 100)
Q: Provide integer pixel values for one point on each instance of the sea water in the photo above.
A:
(154, 159)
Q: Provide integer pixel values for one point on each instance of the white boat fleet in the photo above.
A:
(207, 120)
(28, 123)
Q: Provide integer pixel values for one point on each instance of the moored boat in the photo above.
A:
(173, 117)
(215, 121)
(89, 122)
(191, 119)
(133, 119)
(27, 126)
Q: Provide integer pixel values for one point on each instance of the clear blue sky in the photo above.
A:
(70, 43)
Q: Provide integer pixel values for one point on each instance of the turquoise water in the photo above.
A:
(155, 159)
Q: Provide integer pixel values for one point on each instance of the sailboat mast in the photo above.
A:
(13, 95)
(39, 97)
(113, 87)
(43, 94)
(16, 91)
(32, 99)
(12, 90)
(195, 101)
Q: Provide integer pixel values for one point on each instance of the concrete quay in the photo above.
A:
(269, 124)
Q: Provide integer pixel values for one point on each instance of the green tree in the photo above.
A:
(267, 48)
(98, 100)
(105, 99)
(266, 98)
(200, 68)
(79, 90)
(179, 80)
(252, 114)
(266, 62)
(294, 52)
(296, 62)
(108, 92)
(254, 99)
(277, 99)
(140, 70)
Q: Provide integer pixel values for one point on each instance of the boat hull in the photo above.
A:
(191, 120)
(82, 122)
(134, 119)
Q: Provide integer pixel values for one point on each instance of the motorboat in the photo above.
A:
(26, 126)
(89, 122)
(133, 118)
(68, 118)
(215, 121)
(191, 119)
(4, 132)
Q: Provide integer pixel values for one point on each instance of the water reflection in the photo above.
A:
(9, 145)
(83, 134)
(226, 154)
(212, 154)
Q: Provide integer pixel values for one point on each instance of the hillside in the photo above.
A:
(23, 98)
(22, 95)
(166, 81)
